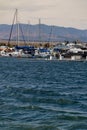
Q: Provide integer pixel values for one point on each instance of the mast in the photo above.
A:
(50, 35)
(18, 26)
(39, 30)
(17, 30)
(28, 32)
(11, 29)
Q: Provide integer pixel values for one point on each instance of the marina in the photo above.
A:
(43, 65)
(58, 51)
(63, 50)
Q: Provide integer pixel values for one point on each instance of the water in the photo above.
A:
(43, 95)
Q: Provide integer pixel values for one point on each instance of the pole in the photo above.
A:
(17, 24)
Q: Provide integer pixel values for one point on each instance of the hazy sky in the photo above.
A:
(67, 13)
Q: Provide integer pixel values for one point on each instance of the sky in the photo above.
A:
(66, 13)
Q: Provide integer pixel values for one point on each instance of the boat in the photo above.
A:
(20, 51)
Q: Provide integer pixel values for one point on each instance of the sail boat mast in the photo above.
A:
(28, 32)
(17, 30)
(39, 30)
(18, 26)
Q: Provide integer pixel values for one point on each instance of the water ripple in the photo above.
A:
(42, 95)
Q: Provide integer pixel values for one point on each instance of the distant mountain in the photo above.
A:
(42, 32)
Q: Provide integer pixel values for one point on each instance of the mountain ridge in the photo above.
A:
(43, 32)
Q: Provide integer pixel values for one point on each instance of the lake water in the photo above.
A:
(42, 95)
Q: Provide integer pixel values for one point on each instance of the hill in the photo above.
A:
(42, 32)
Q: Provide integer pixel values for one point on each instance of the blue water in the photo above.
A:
(43, 95)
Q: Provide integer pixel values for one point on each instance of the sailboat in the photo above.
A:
(20, 51)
